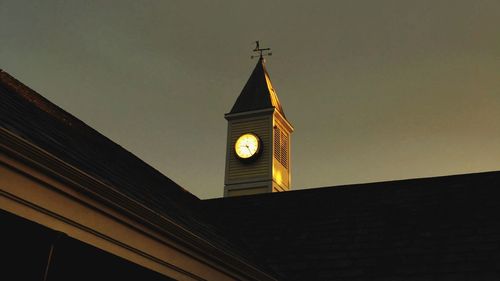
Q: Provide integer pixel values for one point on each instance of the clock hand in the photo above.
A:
(248, 148)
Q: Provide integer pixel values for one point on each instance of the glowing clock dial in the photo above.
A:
(247, 146)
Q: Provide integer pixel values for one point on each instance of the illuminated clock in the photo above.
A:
(247, 146)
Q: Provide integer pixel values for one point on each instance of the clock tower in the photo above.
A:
(258, 139)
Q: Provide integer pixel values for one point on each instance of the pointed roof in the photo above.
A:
(258, 92)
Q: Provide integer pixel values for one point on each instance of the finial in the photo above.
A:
(261, 51)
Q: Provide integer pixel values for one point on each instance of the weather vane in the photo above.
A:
(261, 51)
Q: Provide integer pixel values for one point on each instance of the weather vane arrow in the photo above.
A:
(261, 51)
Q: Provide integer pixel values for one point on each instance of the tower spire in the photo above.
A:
(258, 137)
(258, 92)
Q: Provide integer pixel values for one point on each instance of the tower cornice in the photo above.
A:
(283, 120)
(248, 114)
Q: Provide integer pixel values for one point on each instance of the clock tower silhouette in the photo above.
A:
(258, 139)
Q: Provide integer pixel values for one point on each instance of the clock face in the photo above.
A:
(247, 146)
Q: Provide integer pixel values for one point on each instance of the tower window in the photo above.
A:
(281, 146)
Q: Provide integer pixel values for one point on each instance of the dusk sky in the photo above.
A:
(376, 90)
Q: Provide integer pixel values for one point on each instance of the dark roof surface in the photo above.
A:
(37, 120)
(443, 228)
(258, 92)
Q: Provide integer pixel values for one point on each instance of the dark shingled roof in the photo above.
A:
(443, 228)
(37, 120)
(258, 92)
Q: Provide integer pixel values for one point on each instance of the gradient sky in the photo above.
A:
(376, 90)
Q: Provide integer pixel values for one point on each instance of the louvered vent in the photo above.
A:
(281, 147)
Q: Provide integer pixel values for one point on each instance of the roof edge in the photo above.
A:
(366, 184)
(252, 113)
(406, 180)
